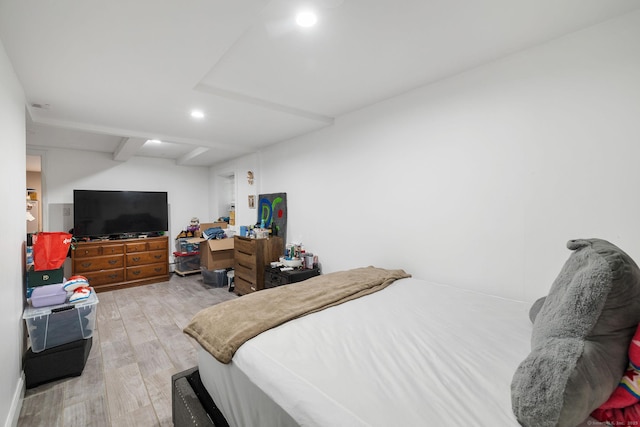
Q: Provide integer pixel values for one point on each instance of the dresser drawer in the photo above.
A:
(98, 278)
(93, 251)
(243, 287)
(248, 274)
(136, 247)
(112, 249)
(84, 265)
(144, 271)
(87, 252)
(246, 246)
(144, 245)
(156, 245)
(146, 258)
(245, 260)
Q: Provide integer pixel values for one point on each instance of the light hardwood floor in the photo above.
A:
(136, 348)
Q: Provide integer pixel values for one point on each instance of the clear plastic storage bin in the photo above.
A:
(60, 324)
(216, 278)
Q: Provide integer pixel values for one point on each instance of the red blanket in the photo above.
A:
(623, 406)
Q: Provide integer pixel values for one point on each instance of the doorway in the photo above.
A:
(34, 194)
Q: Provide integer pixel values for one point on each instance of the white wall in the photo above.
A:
(66, 170)
(13, 231)
(478, 180)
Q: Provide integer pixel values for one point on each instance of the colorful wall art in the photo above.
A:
(272, 208)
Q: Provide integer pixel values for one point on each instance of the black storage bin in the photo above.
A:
(55, 363)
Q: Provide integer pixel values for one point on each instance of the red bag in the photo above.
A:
(50, 249)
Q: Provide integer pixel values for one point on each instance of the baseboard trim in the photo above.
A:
(16, 403)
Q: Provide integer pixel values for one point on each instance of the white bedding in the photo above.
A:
(413, 354)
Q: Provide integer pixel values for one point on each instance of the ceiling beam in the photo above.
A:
(144, 135)
(191, 155)
(128, 148)
(239, 97)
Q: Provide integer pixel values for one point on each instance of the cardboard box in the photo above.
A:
(216, 254)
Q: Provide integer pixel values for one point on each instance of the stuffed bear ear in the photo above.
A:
(576, 244)
(535, 308)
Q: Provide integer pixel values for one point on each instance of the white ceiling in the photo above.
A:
(109, 75)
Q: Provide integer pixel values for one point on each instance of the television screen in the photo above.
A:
(99, 213)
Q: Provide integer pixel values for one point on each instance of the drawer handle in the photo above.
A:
(158, 269)
(86, 252)
(113, 261)
(113, 276)
(136, 258)
(86, 264)
(157, 256)
(253, 289)
(136, 272)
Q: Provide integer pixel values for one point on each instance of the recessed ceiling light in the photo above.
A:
(154, 141)
(306, 19)
(197, 114)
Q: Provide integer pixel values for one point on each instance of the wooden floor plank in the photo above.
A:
(144, 416)
(91, 381)
(116, 354)
(139, 329)
(159, 388)
(87, 413)
(151, 357)
(124, 392)
(112, 330)
(43, 409)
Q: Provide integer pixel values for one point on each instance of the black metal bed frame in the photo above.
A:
(191, 403)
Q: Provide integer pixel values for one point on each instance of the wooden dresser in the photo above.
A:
(250, 258)
(117, 264)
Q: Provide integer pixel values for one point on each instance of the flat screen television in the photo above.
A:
(102, 213)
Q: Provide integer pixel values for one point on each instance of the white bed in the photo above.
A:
(413, 354)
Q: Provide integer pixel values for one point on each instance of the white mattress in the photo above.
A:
(413, 354)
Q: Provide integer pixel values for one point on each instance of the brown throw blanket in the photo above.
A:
(221, 329)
